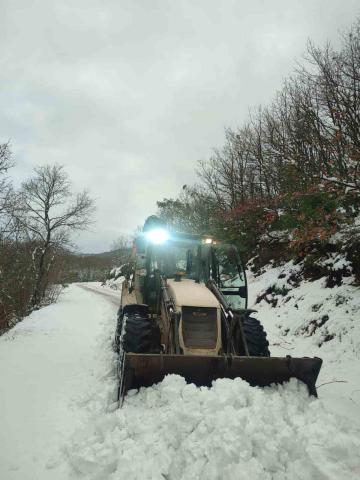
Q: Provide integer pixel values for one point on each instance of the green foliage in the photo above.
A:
(298, 221)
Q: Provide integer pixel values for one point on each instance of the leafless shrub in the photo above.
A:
(309, 134)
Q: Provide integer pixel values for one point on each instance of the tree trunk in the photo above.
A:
(38, 293)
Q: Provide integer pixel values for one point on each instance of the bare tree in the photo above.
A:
(193, 211)
(12, 285)
(51, 213)
(122, 247)
(308, 137)
(5, 158)
(7, 196)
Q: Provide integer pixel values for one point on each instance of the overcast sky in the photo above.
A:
(130, 94)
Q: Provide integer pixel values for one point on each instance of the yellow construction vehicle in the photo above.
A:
(184, 311)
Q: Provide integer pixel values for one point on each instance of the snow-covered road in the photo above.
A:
(111, 294)
(58, 420)
(47, 365)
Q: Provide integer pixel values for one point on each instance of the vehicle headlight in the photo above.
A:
(157, 235)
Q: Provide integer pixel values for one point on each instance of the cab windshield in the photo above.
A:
(196, 261)
(176, 258)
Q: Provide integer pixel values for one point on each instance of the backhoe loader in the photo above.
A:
(184, 311)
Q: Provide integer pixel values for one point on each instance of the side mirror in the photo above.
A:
(243, 292)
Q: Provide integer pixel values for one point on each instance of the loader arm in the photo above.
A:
(171, 320)
(230, 319)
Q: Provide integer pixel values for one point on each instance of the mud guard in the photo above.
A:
(144, 370)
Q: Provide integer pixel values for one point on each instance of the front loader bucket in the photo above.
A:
(143, 370)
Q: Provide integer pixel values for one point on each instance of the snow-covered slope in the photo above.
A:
(304, 318)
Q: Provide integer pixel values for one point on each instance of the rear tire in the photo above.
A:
(140, 333)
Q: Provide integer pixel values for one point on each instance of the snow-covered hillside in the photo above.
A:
(59, 420)
(304, 318)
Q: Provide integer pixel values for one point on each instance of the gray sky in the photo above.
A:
(130, 94)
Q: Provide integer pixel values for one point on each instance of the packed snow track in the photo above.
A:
(59, 420)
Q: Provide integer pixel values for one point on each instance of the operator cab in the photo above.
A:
(195, 258)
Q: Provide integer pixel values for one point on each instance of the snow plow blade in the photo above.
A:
(144, 370)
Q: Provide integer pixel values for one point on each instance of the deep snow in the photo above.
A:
(177, 431)
(58, 418)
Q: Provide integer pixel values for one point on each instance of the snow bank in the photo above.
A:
(177, 431)
(304, 318)
(304, 308)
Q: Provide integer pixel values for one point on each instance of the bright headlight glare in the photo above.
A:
(157, 235)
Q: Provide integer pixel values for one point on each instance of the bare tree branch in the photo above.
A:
(51, 213)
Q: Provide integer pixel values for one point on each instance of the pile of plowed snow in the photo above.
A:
(177, 431)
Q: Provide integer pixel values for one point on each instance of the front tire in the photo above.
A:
(137, 333)
(255, 337)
